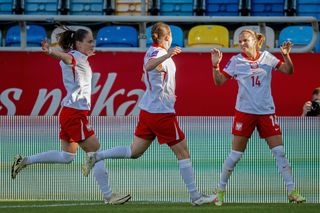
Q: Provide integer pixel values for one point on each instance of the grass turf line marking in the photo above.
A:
(51, 205)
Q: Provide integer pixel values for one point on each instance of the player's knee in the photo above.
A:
(68, 157)
(183, 155)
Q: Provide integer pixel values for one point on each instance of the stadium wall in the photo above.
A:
(31, 84)
(155, 176)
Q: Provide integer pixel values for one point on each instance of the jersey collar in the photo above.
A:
(83, 56)
(247, 57)
(157, 45)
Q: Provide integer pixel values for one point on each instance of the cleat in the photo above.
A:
(117, 199)
(89, 161)
(203, 199)
(18, 165)
(296, 197)
(219, 193)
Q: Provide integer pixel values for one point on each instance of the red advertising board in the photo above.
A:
(31, 84)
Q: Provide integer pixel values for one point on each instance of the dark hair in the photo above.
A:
(316, 91)
(67, 39)
(159, 31)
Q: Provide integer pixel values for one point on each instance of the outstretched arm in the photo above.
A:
(152, 64)
(66, 58)
(218, 77)
(287, 66)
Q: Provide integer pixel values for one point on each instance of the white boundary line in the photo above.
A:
(51, 205)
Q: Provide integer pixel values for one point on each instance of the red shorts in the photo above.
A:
(244, 124)
(74, 125)
(164, 126)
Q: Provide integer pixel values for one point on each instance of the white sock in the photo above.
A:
(228, 166)
(284, 167)
(187, 175)
(118, 152)
(51, 157)
(101, 175)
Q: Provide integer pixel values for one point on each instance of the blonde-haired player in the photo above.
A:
(157, 117)
(252, 69)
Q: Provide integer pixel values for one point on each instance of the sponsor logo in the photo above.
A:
(154, 54)
(89, 127)
(107, 102)
(239, 126)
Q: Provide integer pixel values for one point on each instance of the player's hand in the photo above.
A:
(306, 107)
(174, 51)
(216, 56)
(45, 46)
(285, 48)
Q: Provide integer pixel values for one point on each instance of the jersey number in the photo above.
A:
(255, 81)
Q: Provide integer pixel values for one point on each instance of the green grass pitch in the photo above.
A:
(149, 207)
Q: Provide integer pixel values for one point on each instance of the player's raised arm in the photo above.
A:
(152, 64)
(66, 58)
(218, 77)
(287, 66)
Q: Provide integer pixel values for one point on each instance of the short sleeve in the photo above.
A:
(274, 61)
(230, 68)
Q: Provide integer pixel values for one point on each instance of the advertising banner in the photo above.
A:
(31, 84)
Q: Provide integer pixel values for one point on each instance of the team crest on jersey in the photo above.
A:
(154, 54)
(254, 65)
(238, 126)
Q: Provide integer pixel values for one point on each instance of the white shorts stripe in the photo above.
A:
(82, 132)
(177, 133)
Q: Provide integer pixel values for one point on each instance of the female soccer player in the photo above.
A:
(157, 116)
(254, 108)
(74, 125)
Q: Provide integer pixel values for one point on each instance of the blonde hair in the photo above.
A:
(258, 36)
(159, 31)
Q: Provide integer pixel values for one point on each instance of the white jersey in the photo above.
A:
(254, 81)
(159, 96)
(77, 81)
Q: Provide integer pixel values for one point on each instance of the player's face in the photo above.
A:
(168, 41)
(86, 46)
(247, 42)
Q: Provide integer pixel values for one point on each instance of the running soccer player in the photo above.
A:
(157, 117)
(74, 125)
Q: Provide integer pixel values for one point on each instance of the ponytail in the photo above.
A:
(67, 39)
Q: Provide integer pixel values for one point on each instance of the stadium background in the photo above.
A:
(28, 77)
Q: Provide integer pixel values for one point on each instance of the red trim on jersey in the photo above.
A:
(147, 73)
(226, 74)
(74, 62)
(247, 57)
(164, 77)
(279, 64)
(158, 45)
